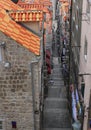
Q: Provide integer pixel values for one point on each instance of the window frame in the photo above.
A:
(85, 49)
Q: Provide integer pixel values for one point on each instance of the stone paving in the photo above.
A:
(56, 113)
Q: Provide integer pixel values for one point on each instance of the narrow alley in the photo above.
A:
(45, 65)
(56, 111)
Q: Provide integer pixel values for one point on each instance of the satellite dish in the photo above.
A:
(15, 1)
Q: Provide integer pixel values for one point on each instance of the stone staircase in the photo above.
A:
(56, 113)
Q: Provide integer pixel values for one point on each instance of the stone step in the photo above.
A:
(56, 103)
(57, 66)
(58, 92)
(59, 82)
(56, 118)
(56, 75)
(57, 70)
(57, 88)
(57, 129)
(53, 85)
(55, 61)
(55, 78)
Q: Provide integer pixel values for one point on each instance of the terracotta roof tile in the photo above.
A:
(33, 6)
(18, 33)
(46, 2)
(9, 5)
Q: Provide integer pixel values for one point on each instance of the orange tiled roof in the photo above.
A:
(17, 32)
(9, 5)
(62, 1)
(33, 6)
(45, 2)
(19, 16)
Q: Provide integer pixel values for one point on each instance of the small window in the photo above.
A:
(85, 49)
(14, 124)
(82, 89)
(88, 8)
(0, 54)
(1, 125)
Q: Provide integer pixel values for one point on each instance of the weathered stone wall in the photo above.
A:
(16, 102)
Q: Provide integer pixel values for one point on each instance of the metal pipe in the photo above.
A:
(33, 89)
(70, 57)
(70, 41)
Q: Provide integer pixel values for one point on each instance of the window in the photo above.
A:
(85, 49)
(82, 86)
(88, 11)
(88, 8)
(82, 89)
(1, 125)
(14, 124)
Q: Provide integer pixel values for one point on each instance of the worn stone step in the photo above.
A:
(57, 91)
(55, 78)
(57, 66)
(57, 70)
(57, 129)
(56, 103)
(56, 118)
(56, 85)
(55, 61)
(56, 75)
(59, 82)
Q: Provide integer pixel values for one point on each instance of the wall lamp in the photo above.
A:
(3, 44)
(7, 65)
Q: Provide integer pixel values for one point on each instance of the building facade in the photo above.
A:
(74, 61)
(85, 63)
(80, 46)
(16, 94)
(75, 21)
(20, 68)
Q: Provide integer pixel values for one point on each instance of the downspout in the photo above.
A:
(70, 42)
(33, 89)
(70, 57)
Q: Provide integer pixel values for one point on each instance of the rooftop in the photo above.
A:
(12, 29)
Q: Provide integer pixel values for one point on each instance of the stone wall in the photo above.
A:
(16, 103)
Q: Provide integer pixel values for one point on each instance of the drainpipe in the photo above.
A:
(70, 42)
(33, 89)
(70, 57)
